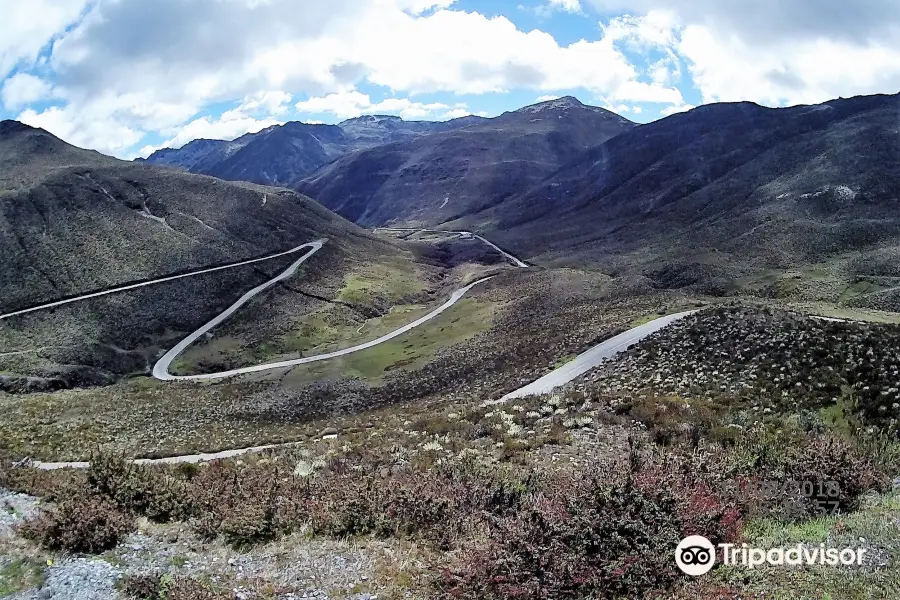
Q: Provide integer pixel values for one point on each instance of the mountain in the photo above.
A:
(720, 192)
(433, 178)
(281, 154)
(74, 221)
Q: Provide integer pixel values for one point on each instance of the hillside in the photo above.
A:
(281, 154)
(74, 221)
(435, 178)
(722, 196)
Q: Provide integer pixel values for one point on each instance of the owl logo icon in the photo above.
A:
(695, 555)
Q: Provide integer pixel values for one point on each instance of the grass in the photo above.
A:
(874, 522)
(393, 282)
(462, 321)
(21, 574)
(563, 361)
(328, 326)
(145, 417)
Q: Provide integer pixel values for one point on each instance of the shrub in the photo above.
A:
(83, 523)
(143, 586)
(829, 460)
(574, 540)
(246, 504)
(706, 503)
(137, 488)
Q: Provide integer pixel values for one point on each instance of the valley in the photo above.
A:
(336, 342)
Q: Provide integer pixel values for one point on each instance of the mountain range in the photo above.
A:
(725, 199)
(280, 154)
(708, 197)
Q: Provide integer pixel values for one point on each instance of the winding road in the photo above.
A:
(578, 366)
(134, 286)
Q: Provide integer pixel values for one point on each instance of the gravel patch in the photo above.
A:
(78, 579)
(14, 508)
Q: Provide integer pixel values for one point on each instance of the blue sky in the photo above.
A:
(128, 76)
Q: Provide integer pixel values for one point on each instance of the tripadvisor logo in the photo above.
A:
(696, 555)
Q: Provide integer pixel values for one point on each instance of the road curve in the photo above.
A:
(161, 368)
(589, 359)
(506, 254)
(578, 366)
(134, 286)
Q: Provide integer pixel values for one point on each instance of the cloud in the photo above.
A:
(28, 26)
(22, 89)
(347, 105)
(671, 110)
(230, 125)
(87, 131)
(762, 21)
(455, 113)
(768, 51)
(570, 6)
(802, 72)
(547, 98)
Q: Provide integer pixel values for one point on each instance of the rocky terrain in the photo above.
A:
(767, 360)
(281, 154)
(436, 178)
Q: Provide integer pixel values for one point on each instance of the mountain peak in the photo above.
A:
(9, 127)
(564, 103)
(370, 119)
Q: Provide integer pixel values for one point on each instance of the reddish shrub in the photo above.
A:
(602, 541)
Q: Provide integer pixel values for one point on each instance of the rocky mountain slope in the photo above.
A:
(74, 221)
(281, 154)
(435, 178)
(720, 192)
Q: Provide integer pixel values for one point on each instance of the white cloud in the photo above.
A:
(417, 7)
(770, 51)
(671, 110)
(230, 125)
(22, 89)
(455, 113)
(272, 102)
(29, 25)
(99, 131)
(639, 91)
(347, 105)
(547, 98)
(571, 6)
(798, 72)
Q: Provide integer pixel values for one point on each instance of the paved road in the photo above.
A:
(169, 460)
(134, 286)
(506, 254)
(589, 359)
(161, 369)
(578, 366)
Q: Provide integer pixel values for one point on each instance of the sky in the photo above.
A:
(126, 77)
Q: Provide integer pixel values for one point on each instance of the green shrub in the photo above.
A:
(82, 523)
(826, 461)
